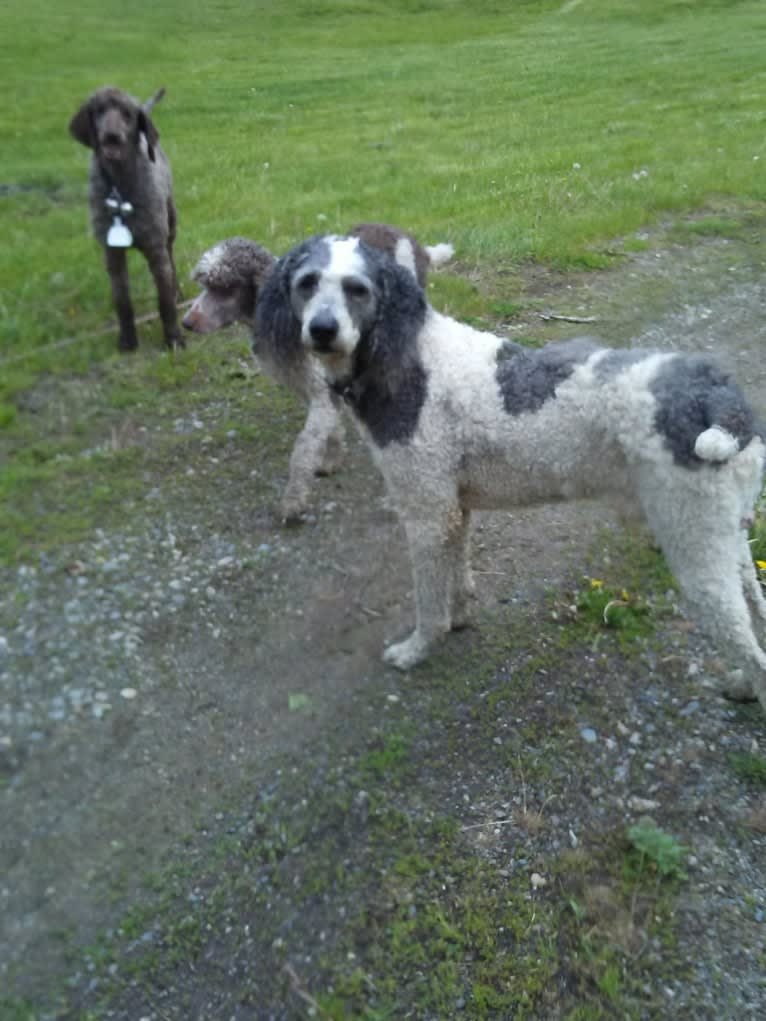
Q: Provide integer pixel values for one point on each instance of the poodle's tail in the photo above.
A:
(152, 101)
(439, 254)
(716, 445)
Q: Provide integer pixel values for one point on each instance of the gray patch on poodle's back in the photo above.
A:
(693, 394)
(527, 379)
(615, 362)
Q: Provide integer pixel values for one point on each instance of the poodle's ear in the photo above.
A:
(81, 125)
(277, 327)
(391, 344)
(264, 264)
(147, 128)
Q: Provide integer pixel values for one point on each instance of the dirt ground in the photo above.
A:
(162, 683)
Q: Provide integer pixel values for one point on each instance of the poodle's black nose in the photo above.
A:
(323, 329)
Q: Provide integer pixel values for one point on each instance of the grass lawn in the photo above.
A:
(534, 130)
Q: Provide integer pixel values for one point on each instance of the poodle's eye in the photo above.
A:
(308, 283)
(356, 288)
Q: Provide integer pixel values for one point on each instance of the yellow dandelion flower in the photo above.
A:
(761, 565)
(598, 583)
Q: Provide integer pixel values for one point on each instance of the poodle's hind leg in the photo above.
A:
(461, 584)
(716, 590)
(696, 518)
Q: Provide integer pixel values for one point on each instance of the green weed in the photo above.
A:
(601, 606)
(658, 849)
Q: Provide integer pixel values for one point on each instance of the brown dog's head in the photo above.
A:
(231, 274)
(111, 122)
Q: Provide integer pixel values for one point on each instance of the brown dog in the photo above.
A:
(131, 201)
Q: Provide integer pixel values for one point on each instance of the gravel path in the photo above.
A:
(147, 673)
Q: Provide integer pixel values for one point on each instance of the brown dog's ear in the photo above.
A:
(147, 127)
(81, 126)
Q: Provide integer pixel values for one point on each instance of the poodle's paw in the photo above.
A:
(293, 507)
(461, 615)
(332, 460)
(738, 687)
(462, 605)
(408, 653)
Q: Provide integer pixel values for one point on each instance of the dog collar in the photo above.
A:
(348, 389)
(116, 202)
(118, 235)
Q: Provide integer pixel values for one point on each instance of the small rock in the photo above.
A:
(642, 804)
(588, 734)
(537, 881)
(128, 693)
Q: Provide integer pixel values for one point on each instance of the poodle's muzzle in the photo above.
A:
(323, 330)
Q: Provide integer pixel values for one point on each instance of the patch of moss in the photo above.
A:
(711, 226)
(749, 766)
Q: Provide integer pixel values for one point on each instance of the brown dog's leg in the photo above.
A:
(117, 268)
(161, 265)
(172, 221)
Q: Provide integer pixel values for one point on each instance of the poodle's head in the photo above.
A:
(111, 122)
(231, 274)
(345, 302)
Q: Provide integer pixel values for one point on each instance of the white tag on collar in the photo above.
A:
(119, 235)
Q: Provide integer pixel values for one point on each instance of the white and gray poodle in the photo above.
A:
(460, 420)
(231, 275)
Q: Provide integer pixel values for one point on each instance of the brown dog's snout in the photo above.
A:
(190, 320)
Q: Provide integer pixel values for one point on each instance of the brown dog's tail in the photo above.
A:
(152, 101)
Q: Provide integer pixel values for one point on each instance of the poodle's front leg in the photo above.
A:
(308, 454)
(433, 572)
(335, 450)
